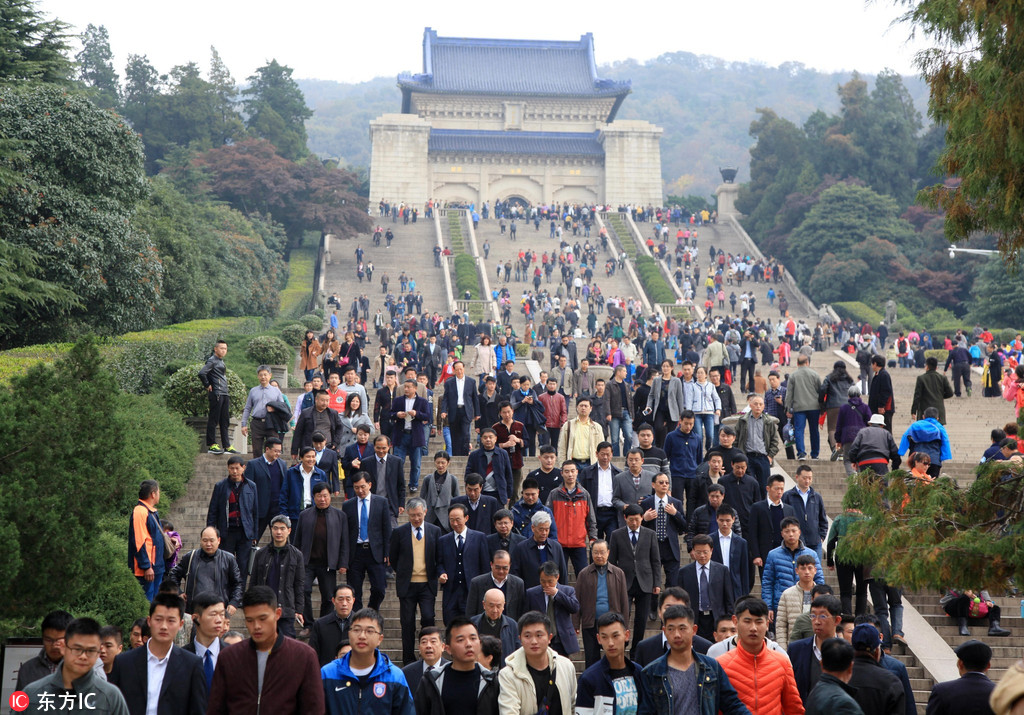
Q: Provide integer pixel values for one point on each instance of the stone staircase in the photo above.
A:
(412, 251)
(502, 249)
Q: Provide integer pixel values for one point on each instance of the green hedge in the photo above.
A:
(860, 312)
(653, 281)
(939, 355)
(298, 292)
(522, 349)
(137, 358)
(269, 350)
(466, 277)
(184, 394)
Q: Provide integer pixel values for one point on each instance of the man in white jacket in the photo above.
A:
(536, 662)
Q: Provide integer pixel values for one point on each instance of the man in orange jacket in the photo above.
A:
(573, 511)
(763, 678)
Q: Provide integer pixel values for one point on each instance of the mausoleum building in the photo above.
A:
(525, 120)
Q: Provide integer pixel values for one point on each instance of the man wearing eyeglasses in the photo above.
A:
(76, 676)
(805, 654)
(364, 680)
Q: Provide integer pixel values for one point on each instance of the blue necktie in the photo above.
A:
(208, 670)
(419, 534)
(364, 520)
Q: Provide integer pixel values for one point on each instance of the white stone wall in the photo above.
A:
(398, 165)
(528, 114)
(537, 179)
(632, 163)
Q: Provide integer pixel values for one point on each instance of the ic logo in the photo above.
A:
(19, 701)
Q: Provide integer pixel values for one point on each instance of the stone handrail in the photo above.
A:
(446, 266)
(485, 280)
(793, 291)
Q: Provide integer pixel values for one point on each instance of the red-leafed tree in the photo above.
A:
(305, 196)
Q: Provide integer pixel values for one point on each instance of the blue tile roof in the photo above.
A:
(457, 65)
(491, 142)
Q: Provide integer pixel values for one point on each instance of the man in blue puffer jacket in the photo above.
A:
(382, 691)
(780, 566)
(930, 437)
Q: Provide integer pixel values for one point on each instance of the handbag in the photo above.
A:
(169, 548)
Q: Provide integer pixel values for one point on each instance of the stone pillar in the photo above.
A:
(727, 194)
(398, 163)
(632, 163)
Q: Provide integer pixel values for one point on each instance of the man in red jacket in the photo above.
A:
(763, 678)
(555, 412)
(574, 516)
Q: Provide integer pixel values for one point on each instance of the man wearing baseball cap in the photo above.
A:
(878, 691)
(970, 693)
(874, 448)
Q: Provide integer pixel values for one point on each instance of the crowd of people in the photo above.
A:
(695, 477)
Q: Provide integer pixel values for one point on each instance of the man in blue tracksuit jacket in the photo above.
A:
(384, 691)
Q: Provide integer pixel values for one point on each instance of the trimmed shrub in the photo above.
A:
(653, 282)
(293, 334)
(466, 277)
(859, 312)
(312, 321)
(522, 349)
(1006, 335)
(268, 350)
(939, 355)
(184, 394)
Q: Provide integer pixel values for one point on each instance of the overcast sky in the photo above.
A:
(353, 42)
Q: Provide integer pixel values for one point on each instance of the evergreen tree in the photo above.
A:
(277, 110)
(31, 48)
(229, 125)
(96, 68)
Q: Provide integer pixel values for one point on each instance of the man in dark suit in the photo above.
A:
(531, 553)
(599, 481)
(183, 687)
(630, 486)
(880, 394)
(970, 693)
(650, 649)
(709, 585)
(382, 402)
(460, 405)
(411, 414)
(503, 538)
(826, 614)
(331, 632)
(413, 556)
(481, 508)
(267, 473)
(323, 538)
(208, 618)
(504, 378)
(493, 464)
(766, 515)
(809, 508)
(635, 551)
(431, 359)
(730, 549)
(431, 644)
(355, 454)
(463, 556)
(329, 461)
(233, 509)
(384, 472)
(499, 577)
(369, 534)
(297, 490)
(559, 603)
(663, 513)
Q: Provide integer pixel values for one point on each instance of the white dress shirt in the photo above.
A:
(460, 385)
(307, 495)
(214, 650)
(726, 542)
(604, 486)
(156, 668)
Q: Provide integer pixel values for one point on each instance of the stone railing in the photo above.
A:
(446, 265)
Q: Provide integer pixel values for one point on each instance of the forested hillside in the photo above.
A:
(704, 104)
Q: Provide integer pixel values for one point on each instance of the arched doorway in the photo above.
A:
(517, 201)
